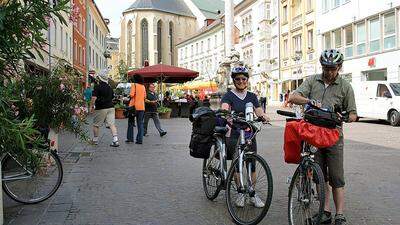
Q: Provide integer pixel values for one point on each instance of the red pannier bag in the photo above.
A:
(297, 131)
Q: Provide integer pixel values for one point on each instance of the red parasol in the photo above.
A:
(165, 73)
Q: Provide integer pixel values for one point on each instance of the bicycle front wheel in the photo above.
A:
(306, 195)
(212, 178)
(248, 203)
(32, 184)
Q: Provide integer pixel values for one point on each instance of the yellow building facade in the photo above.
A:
(297, 42)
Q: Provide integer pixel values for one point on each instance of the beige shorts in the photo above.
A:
(104, 115)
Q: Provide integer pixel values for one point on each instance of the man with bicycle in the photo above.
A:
(329, 90)
(235, 100)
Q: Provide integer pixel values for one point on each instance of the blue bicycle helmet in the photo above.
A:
(239, 70)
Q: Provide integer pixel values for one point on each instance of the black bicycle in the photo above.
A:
(248, 183)
(307, 187)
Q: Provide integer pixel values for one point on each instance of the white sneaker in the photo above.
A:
(257, 202)
(240, 200)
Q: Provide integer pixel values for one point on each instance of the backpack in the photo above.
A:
(203, 123)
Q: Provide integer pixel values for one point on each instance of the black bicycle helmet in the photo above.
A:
(239, 70)
(331, 58)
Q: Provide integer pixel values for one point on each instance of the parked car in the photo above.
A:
(378, 100)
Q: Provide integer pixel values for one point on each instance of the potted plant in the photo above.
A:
(164, 112)
(119, 111)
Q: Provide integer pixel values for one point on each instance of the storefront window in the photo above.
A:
(375, 75)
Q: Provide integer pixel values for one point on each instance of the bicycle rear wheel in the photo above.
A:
(212, 178)
(306, 195)
(257, 184)
(32, 184)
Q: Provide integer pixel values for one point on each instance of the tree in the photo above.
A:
(123, 71)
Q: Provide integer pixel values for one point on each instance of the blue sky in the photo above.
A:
(112, 9)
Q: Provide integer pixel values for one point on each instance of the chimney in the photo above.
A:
(207, 22)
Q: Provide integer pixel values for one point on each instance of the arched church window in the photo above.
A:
(145, 40)
(159, 41)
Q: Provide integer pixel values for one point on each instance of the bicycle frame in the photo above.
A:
(20, 176)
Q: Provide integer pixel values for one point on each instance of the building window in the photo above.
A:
(145, 41)
(268, 51)
(336, 3)
(374, 75)
(62, 38)
(389, 40)
(208, 44)
(129, 44)
(327, 38)
(297, 7)
(186, 52)
(285, 14)
(285, 48)
(268, 11)
(159, 41)
(338, 38)
(374, 35)
(55, 35)
(202, 47)
(83, 56)
(90, 55)
(310, 38)
(348, 35)
(262, 51)
(215, 40)
(296, 44)
(309, 5)
(171, 42)
(197, 48)
(75, 52)
(361, 38)
(80, 55)
(191, 50)
(325, 5)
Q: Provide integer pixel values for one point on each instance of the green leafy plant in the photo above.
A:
(119, 106)
(163, 109)
(123, 71)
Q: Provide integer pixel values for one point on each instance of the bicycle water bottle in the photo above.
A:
(249, 112)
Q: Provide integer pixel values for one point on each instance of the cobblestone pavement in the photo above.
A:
(159, 183)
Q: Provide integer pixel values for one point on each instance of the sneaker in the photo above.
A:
(114, 144)
(340, 219)
(128, 141)
(257, 202)
(95, 142)
(139, 143)
(240, 200)
(326, 218)
(163, 133)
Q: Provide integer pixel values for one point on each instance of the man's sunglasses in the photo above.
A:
(240, 79)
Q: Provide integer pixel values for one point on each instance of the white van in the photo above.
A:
(378, 100)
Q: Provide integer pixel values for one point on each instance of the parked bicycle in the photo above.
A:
(249, 173)
(33, 180)
(307, 187)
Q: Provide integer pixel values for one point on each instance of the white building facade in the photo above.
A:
(274, 83)
(203, 51)
(367, 34)
(253, 19)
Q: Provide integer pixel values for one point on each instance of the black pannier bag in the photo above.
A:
(322, 118)
(203, 121)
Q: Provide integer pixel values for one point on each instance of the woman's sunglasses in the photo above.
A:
(240, 79)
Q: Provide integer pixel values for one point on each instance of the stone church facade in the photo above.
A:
(150, 30)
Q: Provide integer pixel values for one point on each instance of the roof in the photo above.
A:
(203, 30)
(171, 6)
(210, 8)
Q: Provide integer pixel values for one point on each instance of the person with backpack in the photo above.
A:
(235, 100)
(330, 90)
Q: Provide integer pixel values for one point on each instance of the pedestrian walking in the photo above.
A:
(87, 94)
(137, 94)
(103, 108)
(151, 111)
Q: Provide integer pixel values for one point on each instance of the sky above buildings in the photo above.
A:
(112, 9)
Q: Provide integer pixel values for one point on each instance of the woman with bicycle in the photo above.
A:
(329, 90)
(235, 100)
